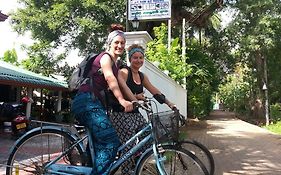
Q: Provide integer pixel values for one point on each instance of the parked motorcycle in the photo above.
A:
(14, 113)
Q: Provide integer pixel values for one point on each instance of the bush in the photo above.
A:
(275, 112)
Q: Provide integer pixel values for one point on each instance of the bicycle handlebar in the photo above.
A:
(143, 105)
(146, 105)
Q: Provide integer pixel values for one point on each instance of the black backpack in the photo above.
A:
(80, 75)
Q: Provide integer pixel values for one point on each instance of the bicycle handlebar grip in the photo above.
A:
(175, 108)
(135, 105)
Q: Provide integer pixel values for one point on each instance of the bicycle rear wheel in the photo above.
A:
(177, 161)
(200, 151)
(33, 151)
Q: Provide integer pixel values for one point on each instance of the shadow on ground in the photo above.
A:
(237, 146)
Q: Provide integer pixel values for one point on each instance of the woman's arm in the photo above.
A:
(106, 65)
(154, 91)
(122, 79)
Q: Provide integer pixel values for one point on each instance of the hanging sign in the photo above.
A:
(149, 9)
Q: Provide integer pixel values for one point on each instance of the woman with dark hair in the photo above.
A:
(132, 83)
(87, 104)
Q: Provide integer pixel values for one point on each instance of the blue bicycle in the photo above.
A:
(60, 149)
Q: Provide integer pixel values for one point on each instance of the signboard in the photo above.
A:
(149, 9)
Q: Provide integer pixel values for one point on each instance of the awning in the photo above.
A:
(3, 17)
(16, 76)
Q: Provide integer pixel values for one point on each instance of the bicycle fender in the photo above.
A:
(48, 128)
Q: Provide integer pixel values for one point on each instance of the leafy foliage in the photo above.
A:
(59, 26)
(253, 35)
(42, 60)
(69, 23)
(203, 83)
(235, 92)
(275, 112)
(170, 60)
(82, 25)
(197, 72)
(10, 56)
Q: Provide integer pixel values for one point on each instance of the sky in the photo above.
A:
(10, 39)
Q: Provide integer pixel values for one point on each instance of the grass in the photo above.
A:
(276, 127)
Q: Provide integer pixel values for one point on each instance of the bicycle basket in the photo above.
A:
(167, 126)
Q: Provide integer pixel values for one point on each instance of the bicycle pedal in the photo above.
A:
(161, 150)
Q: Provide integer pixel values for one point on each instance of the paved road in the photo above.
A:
(238, 147)
(6, 142)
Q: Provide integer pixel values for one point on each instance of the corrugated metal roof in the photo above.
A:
(11, 74)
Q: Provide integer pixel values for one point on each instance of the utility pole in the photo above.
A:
(169, 34)
(127, 16)
(265, 88)
(183, 49)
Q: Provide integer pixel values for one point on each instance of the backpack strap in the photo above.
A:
(100, 94)
(88, 67)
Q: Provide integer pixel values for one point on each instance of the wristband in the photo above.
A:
(160, 98)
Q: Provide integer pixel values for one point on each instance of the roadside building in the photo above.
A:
(3, 17)
(16, 83)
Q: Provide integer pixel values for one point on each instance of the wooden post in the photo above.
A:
(59, 101)
(28, 105)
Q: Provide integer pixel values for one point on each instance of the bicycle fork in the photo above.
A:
(159, 158)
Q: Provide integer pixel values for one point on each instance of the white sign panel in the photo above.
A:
(149, 9)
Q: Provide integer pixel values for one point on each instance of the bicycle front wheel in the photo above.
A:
(176, 161)
(33, 151)
(200, 151)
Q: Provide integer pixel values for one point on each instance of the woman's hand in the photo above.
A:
(171, 105)
(128, 106)
(140, 96)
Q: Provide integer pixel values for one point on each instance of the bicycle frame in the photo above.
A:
(54, 168)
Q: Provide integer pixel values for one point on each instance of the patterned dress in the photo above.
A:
(128, 124)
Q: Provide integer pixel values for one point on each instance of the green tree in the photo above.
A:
(198, 69)
(42, 59)
(72, 24)
(82, 25)
(204, 82)
(10, 56)
(254, 36)
(69, 23)
(64, 25)
(235, 91)
(170, 60)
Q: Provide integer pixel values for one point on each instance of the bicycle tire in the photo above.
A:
(201, 152)
(32, 151)
(178, 161)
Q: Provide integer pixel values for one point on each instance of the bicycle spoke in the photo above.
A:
(175, 162)
(38, 149)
